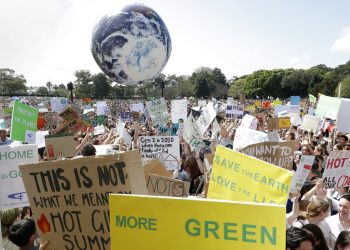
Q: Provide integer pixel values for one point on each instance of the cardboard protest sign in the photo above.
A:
(303, 170)
(206, 118)
(50, 120)
(191, 134)
(328, 106)
(158, 111)
(167, 186)
(58, 104)
(178, 110)
(69, 198)
(196, 223)
(277, 153)
(71, 123)
(295, 100)
(310, 123)
(155, 167)
(343, 121)
(126, 117)
(337, 169)
(164, 148)
(24, 118)
(59, 146)
(245, 137)
(279, 123)
(239, 177)
(12, 192)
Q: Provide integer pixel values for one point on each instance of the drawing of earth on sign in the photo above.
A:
(131, 46)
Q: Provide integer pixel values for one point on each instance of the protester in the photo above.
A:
(299, 239)
(343, 241)
(23, 234)
(7, 218)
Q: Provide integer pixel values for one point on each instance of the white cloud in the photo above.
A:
(301, 62)
(342, 44)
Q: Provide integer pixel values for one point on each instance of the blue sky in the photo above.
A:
(49, 40)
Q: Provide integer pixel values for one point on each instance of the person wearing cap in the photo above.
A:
(3, 138)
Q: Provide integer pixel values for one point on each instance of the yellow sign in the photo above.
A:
(239, 177)
(257, 103)
(250, 108)
(276, 103)
(284, 123)
(149, 222)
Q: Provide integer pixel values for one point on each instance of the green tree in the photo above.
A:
(42, 91)
(129, 91)
(237, 87)
(118, 91)
(202, 87)
(343, 88)
(49, 86)
(102, 85)
(83, 84)
(11, 83)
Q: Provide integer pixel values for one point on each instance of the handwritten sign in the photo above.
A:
(24, 118)
(166, 186)
(58, 104)
(303, 170)
(12, 192)
(71, 122)
(191, 134)
(50, 120)
(69, 198)
(158, 111)
(201, 224)
(310, 123)
(178, 110)
(279, 123)
(328, 106)
(126, 117)
(137, 107)
(278, 153)
(239, 177)
(337, 169)
(245, 137)
(165, 148)
(206, 118)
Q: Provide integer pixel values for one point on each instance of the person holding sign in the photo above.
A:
(3, 137)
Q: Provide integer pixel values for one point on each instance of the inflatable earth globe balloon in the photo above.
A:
(131, 46)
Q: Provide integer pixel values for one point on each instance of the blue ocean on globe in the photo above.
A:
(131, 46)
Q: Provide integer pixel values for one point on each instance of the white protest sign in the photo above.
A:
(30, 137)
(328, 106)
(58, 104)
(12, 191)
(164, 148)
(178, 110)
(40, 138)
(102, 108)
(287, 108)
(202, 103)
(337, 169)
(158, 111)
(99, 130)
(107, 149)
(273, 136)
(295, 119)
(206, 118)
(127, 138)
(191, 134)
(120, 128)
(126, 117)
(310, 123)
(343, 121)
(303, 170)
(180, 130)
(137, 107)
(245, 137)
(249, 121)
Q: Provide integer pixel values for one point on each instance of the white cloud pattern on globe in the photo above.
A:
(131, 46)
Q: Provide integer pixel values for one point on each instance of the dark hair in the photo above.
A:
(346, 197)
(297, 235)
(88, 150)
(21, 231)
(344, 137)
(343, 240)
(192, 167)
(317, 232)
